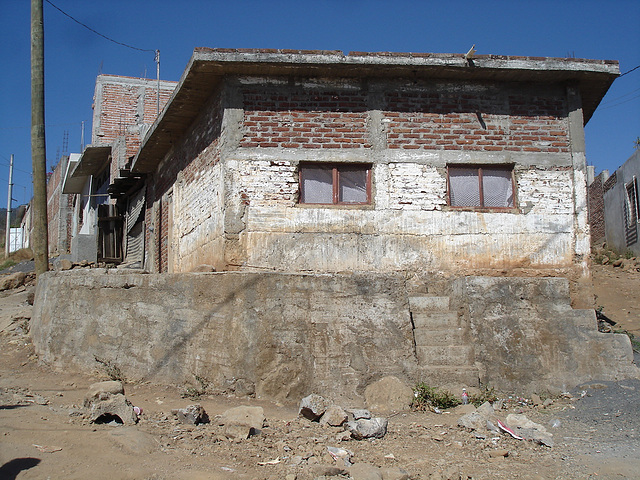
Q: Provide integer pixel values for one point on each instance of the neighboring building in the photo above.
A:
(123, 110)
(621, 206)
(595, 203)
(59, 209)
(321, 162)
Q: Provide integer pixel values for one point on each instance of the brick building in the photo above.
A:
(124, 108)
(595, 190)
(435, 183)
(324, 162)
(614, 207)
(59, 209)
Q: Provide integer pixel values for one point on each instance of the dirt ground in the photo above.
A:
(44, 433)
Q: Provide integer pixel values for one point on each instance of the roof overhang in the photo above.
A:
(92, 161)
(207, 67)
(75, 184)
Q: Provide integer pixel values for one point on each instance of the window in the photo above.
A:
(481, 186)
(335, 184)
(631, 212)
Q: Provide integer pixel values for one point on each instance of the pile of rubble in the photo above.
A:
(484, 421)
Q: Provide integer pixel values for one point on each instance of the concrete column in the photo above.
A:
(582, 237)
(234, 205)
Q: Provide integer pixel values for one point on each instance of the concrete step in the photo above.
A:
(453, 379)
(445, 355)
(583, 319)
(428, 303)
(425, 337)
(435, 320)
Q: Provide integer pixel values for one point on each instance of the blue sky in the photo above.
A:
(74, 56)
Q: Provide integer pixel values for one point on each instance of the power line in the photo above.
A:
(46, 125)
(622, 74)
(97, 33)
(620, 103)
(621, 96)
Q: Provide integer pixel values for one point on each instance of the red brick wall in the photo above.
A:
(444, 118)
(328, 119)
(126, 106)
(465, 121)
(59, 211)
(595, 205)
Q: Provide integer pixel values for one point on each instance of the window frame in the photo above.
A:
(480, 167)
(335, 181)
(631, 214)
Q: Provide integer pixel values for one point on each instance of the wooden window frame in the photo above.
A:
(335, 180)
(480, 168)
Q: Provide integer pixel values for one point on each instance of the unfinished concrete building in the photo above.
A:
(354, 196)
(123, 110)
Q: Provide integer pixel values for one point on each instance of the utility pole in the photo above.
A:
(38, 149)
(7, 238)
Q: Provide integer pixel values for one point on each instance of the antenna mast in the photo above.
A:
(158, 77)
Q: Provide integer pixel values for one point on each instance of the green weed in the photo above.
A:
(426, 397)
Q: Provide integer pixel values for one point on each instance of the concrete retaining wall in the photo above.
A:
(527, 337)
(286, 335)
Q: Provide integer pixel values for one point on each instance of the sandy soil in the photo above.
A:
(45, 435)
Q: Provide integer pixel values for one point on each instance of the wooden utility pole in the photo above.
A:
(7, 238)
(38, 150)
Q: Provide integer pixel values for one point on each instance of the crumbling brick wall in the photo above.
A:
(596, 209)
(236, 185)
(59, 210)
(191, 176)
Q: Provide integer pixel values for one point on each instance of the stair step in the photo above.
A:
(440, 337)
(583, 319)
(428, 303)
(444, 376)
(456, 355)
(435, 320)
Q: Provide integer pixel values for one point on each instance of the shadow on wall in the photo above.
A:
(199, 327)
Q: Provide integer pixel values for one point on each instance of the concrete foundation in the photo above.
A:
(288, 335)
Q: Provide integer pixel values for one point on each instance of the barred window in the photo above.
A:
(481, 186)
(335, 184)
(631, 209)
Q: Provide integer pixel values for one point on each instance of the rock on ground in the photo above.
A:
(389, 394)
(106, 409)
(96, 390)
(334, 416)
(364, 471)
(368, 428)
(13, 280)
(312, 407)
(191, 414)
(242, 421)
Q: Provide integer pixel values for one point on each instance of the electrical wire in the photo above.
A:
(97, 33)
(620, 103)
(621, 96)
(46, 125)
(621, 75)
